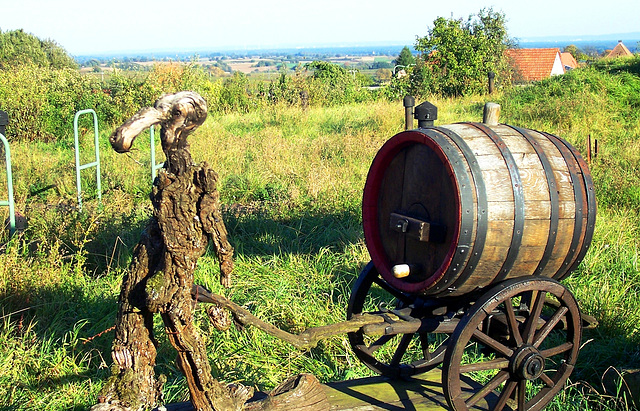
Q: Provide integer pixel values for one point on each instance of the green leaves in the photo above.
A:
(19, 48)
(458, 54)
(405, 58)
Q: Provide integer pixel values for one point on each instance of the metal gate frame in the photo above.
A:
(154, 167)
(10, 201)
(95, 163)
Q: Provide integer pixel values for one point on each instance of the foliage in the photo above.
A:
(41, 102)
(234, 95)
(333, 84)
(588, 55)
(383, 75)
(19, 48)
(458, 54)
(333, 74)
(405, 58)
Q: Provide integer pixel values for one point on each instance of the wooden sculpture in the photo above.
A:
(160, 280)
(186, 217)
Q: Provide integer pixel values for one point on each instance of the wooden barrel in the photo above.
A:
(451, 209)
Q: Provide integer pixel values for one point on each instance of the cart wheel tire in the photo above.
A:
(531, 329)
(394, 356)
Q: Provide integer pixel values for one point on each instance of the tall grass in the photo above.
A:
(291, 180)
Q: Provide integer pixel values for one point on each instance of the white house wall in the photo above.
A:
(558, 68)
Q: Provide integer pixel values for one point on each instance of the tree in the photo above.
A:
(19, 48)
(383, 74)
(575, 52)
(331, 73)
(405, 58)
(458, 54)
(572, 49)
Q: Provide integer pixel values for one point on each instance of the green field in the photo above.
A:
(291, 182)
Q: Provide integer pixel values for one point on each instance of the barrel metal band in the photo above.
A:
(518, 200)
(467, 216)
(586, 198)
(553, 198)
(481, 196)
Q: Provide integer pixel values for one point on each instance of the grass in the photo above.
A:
(291, 181)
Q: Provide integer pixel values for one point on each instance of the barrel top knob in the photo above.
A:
(491, 114)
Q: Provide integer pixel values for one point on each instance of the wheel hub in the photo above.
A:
(527, 363)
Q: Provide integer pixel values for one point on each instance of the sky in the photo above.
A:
(93, 27)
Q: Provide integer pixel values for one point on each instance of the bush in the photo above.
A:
(42, 102)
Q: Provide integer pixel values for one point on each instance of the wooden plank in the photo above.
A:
(420, 392)
(423, 392)
(515, 142)
(534, 184)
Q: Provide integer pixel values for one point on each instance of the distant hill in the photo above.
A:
(304, 52)
(599, 42)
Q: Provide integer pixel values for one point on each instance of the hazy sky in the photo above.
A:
(85, 27)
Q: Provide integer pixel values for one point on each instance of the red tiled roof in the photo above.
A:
(533, 64)
(568, 60)
(620, 50)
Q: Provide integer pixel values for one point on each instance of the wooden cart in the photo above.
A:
(470, 227)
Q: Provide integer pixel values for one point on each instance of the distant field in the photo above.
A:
(250, 65)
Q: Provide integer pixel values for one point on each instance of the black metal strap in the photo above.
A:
(481, 212)
(578, 198)
(518, 199)
(583, 191)
(554, 217)
(467, 212)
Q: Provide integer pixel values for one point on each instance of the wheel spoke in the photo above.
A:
(506, 393)
(497, 364)
(401, 350)
(499, 378)
(424, 344)
(506, 330)
(513, 322)
(377, 344)
(534, 316)
(492, 343)
(547, 380)
(550, 352)
(437, 355)
(384, 354)
(522, 391)
(546, 329)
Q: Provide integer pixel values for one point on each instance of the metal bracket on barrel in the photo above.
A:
(416, 228)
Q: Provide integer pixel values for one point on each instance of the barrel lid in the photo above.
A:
(411, 210)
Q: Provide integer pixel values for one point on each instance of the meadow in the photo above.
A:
(291, 180)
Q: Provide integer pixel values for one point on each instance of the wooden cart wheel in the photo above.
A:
(515, 348)
(396, 355)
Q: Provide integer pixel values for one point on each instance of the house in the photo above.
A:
(535, 64)
(620, 50)
(568, 61)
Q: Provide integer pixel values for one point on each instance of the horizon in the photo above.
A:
(631, 40)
